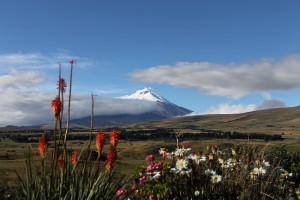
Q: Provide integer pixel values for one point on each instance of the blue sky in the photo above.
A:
(208, 56)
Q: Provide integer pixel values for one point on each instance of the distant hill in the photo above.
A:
(276, 120)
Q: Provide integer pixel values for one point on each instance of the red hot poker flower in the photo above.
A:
(42, 145)
(114, 137)
(56, 106)
(60, 162)
(100, 140)
(74, 157)
(111, 157)
(62, 84)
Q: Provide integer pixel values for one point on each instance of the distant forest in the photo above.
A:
(135, 135)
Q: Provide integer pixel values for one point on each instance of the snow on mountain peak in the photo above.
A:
(146, 94)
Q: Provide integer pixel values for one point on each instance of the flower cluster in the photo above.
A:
(112, 151)
(42, 146)
(211, 174)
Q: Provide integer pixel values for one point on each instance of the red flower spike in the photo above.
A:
(74, 157)
(100, 141)
(111, 157)
(60, 162)
(56, 106)
(114, 137)
(42, 145)
(62, 84)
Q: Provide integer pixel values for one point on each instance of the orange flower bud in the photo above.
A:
(111, 157)
(42, 145)
(114, 137)
(100, 140)
(56, 106)
(60, 162)
(62, 84)
(74, 157)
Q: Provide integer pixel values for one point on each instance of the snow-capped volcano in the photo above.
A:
(150, 105)
(146, 94)
(163, 107)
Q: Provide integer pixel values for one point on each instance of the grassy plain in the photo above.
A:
(131, 154)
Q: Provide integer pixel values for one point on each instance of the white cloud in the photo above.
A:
(229, 80)
(34, 108)
(24, 108)
(271, 103)
(20, 79)
(81, 105)
(226, 108)
(43, 61)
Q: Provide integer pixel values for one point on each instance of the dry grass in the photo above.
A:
(130, 154)
(272, 121)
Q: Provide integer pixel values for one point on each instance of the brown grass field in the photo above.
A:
(273, 121)
(130, 154)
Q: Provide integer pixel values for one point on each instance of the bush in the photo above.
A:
(243, 172)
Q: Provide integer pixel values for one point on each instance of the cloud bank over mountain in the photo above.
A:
(228, 80)
(24, 101)
(34, 108)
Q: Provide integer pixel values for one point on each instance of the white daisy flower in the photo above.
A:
(266, 163)
(179, 152)
(197, 193)
(209, 172)
(181, 164)
(259, 171)
(203, 158)
(216, 178)
(162, 151)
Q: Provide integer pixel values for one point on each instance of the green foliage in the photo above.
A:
(242, 172)
(83, 180)
(64, 176)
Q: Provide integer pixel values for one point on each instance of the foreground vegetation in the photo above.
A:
(169, 169)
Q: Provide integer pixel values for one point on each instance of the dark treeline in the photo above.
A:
(158, 134)
(153, 134)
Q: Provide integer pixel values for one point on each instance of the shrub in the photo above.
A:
(242, 172)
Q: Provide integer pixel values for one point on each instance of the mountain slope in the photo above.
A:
(277, 120)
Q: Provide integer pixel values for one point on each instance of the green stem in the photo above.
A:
(92, 124)
(69, 105)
